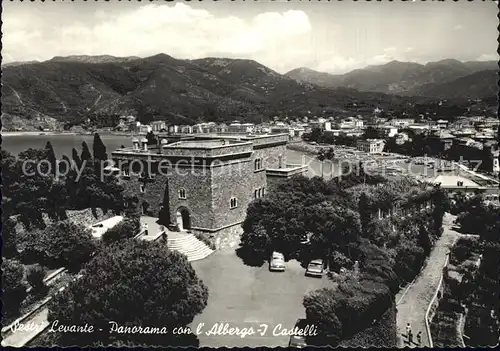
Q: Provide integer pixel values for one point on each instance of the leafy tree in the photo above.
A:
(62, 244)
(427, 150)
(151, 137)
(31, 189)
(86, 156)
(320, 306)
(58, 200)
(370, 133)
(330, 155)
(9, 238)
(365, 212)
(339, 260)
(9, 173)
(99, 149)
(321, 158)
(133, 284)
(35, 276)
(126, 229)
(14, 290)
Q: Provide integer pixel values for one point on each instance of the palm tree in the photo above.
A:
(330, 155)
(321, 157)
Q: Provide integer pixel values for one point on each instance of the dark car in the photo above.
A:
(298, 341)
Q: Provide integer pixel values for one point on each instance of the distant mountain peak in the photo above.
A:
(397, 77)
(92, 58)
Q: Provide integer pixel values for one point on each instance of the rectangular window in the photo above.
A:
(234, 202)
(258, 164)
(182, 193)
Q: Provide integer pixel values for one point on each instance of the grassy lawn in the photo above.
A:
(246, 297)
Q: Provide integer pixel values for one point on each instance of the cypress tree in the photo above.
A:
(364, 212)
(86, 155)
(99, 148)
(51, 157)
(66, 166)
(76, 158)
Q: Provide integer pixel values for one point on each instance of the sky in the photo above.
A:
(334, 36)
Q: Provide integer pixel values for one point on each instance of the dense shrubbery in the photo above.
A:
(35, 276)
(480, 287)
(389, 229)
(9, 238)
(126, 229)
(479, 218)
(134, 283)
(14, 288)
(62, 244)
(32, 189)
(285, 218)
(380, 334)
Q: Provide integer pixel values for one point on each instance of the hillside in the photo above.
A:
(405, 78)
(69, 90)
(93, 59)
(474, 86)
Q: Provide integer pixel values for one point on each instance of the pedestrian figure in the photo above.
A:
(419, 337)
(408, 329)
(410, 337)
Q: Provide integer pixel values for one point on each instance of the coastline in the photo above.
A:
(25, 133)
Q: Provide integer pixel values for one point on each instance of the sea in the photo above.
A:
(64, 143)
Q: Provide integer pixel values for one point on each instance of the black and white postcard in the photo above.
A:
(250, 174)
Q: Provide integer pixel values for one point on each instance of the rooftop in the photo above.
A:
(452, 181)
(202, 144)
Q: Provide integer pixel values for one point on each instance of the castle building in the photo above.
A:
(371, 146)
(202, 182)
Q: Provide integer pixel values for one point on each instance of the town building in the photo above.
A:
(243, 128)
(371, 146)
(174, 129)
(203, 183)
(402, 122)
(144, 128)
(457, 183)
(442, 124)
(351, 123)
(157, 126)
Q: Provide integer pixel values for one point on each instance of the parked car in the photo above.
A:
(315, 268)
(277, 262)
(298, 341)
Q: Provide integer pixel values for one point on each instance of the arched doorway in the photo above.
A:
(183, 220)
(144, 208)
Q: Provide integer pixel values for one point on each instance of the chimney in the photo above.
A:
(135, 143)
(144, 142)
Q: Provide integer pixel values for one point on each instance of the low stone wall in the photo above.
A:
(227, 238)
(434, 304)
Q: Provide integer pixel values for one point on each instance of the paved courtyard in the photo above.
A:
(245, 297)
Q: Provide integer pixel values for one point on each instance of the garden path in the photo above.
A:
(413, 306)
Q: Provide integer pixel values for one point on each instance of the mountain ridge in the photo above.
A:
(396, 77)
(68, 91)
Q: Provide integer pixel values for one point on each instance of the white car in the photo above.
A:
(277, 262)
(315, 268)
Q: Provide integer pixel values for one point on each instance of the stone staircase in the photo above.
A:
(188, 245)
